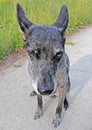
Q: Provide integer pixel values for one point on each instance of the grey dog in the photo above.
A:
(48, 63)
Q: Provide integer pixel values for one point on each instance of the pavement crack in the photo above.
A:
(85, 71)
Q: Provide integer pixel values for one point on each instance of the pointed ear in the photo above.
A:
(23, 21)
(62, 20)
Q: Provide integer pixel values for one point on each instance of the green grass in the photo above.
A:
(40, 12)
(70, 43)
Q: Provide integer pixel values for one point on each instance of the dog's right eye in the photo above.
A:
(31, 54)
(34, 54)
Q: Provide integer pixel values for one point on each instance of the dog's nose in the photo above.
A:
(45, 90)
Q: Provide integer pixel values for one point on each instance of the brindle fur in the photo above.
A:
(48, 63)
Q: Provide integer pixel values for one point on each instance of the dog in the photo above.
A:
(48, 63)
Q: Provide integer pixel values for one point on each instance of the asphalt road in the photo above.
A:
(17, 108)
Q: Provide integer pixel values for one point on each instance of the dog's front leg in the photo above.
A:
(62, 93)
(38, 113)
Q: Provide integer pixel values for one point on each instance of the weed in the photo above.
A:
(70, 43)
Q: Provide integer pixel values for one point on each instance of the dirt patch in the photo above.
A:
(11, 58)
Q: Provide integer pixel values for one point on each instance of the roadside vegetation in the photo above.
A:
(40, 12)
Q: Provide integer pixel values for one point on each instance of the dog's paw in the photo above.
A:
(56, 122)
(37, 115)
(33, 93)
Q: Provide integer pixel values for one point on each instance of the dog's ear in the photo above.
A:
(23, 21)
(62, 20)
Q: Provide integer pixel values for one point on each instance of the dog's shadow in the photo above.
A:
(80, 74)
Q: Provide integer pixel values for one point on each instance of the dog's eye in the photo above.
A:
(34, 53)
(59, 53)
(57, 56)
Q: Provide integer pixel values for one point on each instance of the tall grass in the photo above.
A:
(40, 12)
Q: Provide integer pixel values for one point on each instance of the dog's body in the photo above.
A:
(48, 62)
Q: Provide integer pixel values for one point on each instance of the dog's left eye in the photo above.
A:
(59, 53)
(57, 56)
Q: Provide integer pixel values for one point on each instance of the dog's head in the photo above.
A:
(45, 48)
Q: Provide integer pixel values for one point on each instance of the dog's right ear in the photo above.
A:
(23, 21)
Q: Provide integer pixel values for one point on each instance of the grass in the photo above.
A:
(70, 43)
(40, 12)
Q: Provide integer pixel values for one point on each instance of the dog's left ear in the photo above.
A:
(62, 20)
